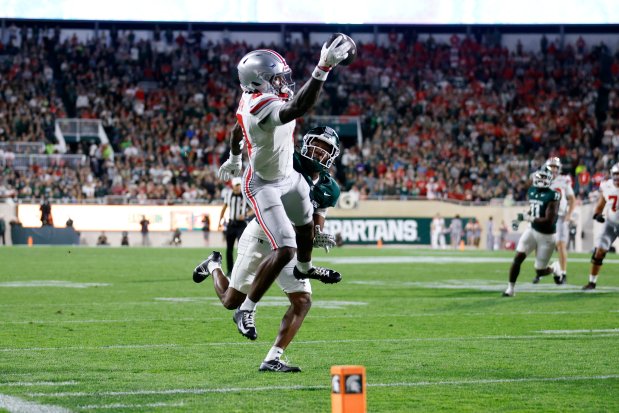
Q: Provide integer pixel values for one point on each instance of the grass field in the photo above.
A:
(86, 329)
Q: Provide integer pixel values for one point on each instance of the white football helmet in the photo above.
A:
(265, 71)
(553, 163)
(542, 178)
(614, 174)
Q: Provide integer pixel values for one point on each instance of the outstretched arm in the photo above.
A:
(330, 56)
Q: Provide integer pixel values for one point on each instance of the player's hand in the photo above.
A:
(525, 217)
(599, 218)
(323, 239)
(231, 168)
(333, 54)
(515, 224)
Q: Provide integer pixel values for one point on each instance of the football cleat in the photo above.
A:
(244, 321)
(278, 366)
(201, 272)
(558, 276)
(537, 278)
(506, 294)
(590, 286)
(322, 274)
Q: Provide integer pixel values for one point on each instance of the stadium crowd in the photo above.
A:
(466, 119)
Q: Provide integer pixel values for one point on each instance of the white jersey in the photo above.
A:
(611, 195)
(563, 185)
(270, 144)
(438, 225)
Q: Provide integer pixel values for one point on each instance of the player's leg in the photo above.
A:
(526, 244)
(545, 248)
(266, 202)
(299, 210)
(560, 268)
(299, 294)
(609, 235)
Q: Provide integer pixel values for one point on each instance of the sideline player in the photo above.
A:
(609, 194)
(542, 214)
(278, 194)
(562, 183)
(320, 148)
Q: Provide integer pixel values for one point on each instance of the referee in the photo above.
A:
(238, 209)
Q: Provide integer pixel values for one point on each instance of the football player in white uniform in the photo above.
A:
(563, 185)
(609, 196)
(278, 194)
(320, 148)
(542, 214)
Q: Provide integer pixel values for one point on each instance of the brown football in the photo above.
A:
(352, 52)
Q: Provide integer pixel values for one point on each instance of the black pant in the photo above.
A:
(3, 238)
(233, 233)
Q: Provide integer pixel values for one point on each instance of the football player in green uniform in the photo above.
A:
(540, 236)
(318, 152)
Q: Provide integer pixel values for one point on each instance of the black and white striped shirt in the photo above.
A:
(237, 207)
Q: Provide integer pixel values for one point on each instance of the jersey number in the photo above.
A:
(535, 210)
(614, 198)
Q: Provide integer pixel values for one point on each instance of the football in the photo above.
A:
(352, 52)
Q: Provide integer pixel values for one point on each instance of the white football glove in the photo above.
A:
(331, 55)
(231, 168)
(323, 239)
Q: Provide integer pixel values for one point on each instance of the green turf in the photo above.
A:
(117, 346)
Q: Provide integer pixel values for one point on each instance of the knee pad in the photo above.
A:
(597, 261)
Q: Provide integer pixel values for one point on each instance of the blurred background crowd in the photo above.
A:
(465, 119)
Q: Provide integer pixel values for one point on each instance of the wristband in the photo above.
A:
(320, 73)
(236, 158)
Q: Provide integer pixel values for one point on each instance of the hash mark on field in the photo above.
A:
(17, 405)
(320, 387)
(308, 342)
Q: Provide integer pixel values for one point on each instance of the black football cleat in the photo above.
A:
(244, 321)
(321, 274)
(590, 286)
(278, 366)
(537, 278)
(560, 279)
(201, 272)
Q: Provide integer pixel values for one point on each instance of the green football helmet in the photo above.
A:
(321, 146)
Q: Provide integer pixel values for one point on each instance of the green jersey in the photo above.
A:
(325, 192)
(539, 199)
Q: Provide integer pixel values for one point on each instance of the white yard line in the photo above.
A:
(309, 342)
(37, 383)
(434, 259)
(17, 405)
(202, 319)
(129, 406)
(319, 387)
(563, 332)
